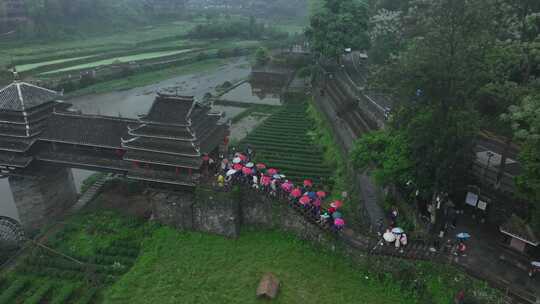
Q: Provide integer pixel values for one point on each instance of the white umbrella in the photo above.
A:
(236, 160)
(397, 230)
(535, 264)
(463, 235)
(250, 165)
(231, 172)
(389, 236)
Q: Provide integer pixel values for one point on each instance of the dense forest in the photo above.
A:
(456, 67)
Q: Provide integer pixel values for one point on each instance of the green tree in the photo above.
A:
(262, 55)
(388, 153)
(338, 25)
(525, 120)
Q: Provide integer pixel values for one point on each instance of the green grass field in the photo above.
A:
(155, 35)
(31, 66)
(188, 268)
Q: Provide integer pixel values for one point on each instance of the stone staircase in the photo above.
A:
(90, 194)
(415, 250)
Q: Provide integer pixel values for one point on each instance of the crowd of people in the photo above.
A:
(240, 169)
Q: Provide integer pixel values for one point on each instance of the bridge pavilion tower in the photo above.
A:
(39, 192)
(168, 144)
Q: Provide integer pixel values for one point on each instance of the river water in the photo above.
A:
(130, 103)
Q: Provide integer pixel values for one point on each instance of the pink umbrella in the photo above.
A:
(265, 180)
(272, 171)
(287, 187)
(321, 194)
(247, 171)
(339, 222)
(237, 167)
(260, 166)
(317, 202)
(336, 204)
(304, 200)
(308, 183)
(296, 192)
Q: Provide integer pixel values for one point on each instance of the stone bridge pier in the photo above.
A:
(43, 195)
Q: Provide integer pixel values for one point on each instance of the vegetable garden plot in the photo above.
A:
(282, 141)
(104, 248)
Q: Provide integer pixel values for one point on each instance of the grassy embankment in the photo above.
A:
(342, 178)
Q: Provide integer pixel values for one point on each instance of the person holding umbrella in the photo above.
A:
(296, 193)
(325, 217)
(250, 152)
(461, 248)
(255, 182)
(317, 206)
(339, 223)
(403, 240)
(221, 180)
(273, 187)
(304, 201)
(534, 268)
(388, 236)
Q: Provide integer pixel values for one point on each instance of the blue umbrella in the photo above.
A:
(397, 230)
(463, 235)
(312, 194)
(336, 215)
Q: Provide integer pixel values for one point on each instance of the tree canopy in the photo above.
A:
(455, 66)
(338, 25)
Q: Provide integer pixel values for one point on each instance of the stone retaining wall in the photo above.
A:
(225, 213)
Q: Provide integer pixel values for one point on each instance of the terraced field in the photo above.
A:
(103, 247)
(283, 142)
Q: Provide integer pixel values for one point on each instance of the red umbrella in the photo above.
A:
(296, 192)
(265, 180)
(336, 204)
(242, 157)
(272, 171)
(304, 200)
(308, 183)
(321, 194)
(237, 167)
(260, 166)
(247, 171)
